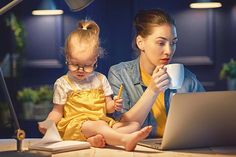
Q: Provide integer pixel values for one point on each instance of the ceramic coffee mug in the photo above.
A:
(176, 74)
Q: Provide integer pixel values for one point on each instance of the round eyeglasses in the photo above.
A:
(86, 68)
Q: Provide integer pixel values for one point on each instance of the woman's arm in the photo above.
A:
(140, 110)
(142, 107)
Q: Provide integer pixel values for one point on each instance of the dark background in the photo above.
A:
(207, 39)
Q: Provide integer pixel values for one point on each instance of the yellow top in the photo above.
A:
(158, 109)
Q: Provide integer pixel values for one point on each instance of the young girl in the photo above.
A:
(82, 97)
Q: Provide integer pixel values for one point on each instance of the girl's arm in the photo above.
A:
(55, 115)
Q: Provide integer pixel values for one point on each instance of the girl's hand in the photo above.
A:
(160, 79)
(118, 103)
(42, 130)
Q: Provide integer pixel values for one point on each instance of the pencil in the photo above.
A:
(120, 91)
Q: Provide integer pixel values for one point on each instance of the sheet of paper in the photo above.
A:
(52, 134)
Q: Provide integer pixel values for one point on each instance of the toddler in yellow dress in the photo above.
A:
(83, 97)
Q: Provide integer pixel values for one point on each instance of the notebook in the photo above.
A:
(195, 120)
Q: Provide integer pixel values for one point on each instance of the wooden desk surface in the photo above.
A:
(109, 151)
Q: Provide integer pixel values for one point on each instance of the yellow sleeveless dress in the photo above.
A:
(82, 106)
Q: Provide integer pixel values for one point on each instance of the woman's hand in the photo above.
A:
(160, 79)
(118, 103)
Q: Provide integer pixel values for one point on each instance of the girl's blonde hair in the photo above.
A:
(87, 32)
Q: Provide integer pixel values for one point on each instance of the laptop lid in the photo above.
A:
(203, 119)
(195, 120)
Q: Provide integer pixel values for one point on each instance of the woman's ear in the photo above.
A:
(140, 43)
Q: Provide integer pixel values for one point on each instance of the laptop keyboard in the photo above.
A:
(151, 143)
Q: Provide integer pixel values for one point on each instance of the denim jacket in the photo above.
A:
(128, 74)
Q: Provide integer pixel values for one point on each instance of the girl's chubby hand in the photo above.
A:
(160, 79)
(118, 105)
(41, 129)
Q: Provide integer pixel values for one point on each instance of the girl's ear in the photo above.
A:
(140, 42)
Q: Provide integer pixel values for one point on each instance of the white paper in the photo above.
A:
(52, 134)
(66, 144)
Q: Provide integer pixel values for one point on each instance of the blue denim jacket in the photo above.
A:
(128, 74)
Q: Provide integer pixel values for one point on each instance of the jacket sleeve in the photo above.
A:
(191, 83)
(115, 81)
(197, 86)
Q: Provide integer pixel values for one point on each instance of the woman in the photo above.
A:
(146, 96)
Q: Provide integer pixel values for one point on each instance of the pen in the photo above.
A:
(120, 91)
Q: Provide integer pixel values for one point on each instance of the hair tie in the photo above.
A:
(84, 28)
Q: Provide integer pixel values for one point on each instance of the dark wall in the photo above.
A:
(208, 34)
(207, 39)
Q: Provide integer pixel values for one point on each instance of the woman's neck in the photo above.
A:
(146, 65)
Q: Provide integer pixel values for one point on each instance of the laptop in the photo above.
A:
(196, 120)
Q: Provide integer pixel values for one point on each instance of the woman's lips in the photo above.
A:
(165, 60)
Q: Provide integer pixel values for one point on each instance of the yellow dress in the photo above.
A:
(158, 109)
(82, 106)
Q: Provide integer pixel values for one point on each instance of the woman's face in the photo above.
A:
(158, 47)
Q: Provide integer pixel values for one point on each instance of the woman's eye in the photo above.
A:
(173, 43)
(161, 43)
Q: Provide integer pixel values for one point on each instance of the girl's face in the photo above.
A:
(159, 47)
(81, 61)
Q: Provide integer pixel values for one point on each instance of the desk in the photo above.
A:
(109, 151)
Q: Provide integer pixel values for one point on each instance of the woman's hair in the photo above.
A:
(87, 32)
(145, 20)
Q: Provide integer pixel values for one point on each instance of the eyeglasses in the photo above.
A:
(86, 68)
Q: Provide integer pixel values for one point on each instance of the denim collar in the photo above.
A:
(136, 71)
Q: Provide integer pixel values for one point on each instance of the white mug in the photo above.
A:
(176, 74)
